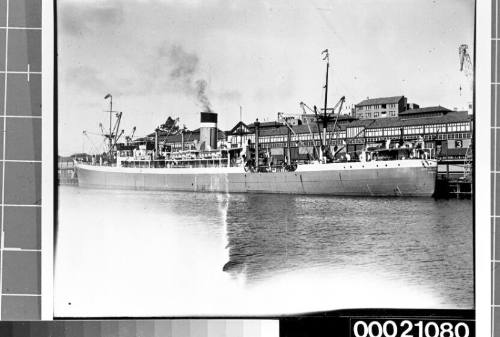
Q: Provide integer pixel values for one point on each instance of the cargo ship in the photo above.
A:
(408, 177)
(385, 171)
(400, 170)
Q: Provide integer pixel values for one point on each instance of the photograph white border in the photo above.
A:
(48, 157)
(482, 167)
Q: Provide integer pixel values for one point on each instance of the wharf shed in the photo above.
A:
(441, 133)
(449, 134)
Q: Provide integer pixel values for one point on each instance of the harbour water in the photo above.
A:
(134, 253)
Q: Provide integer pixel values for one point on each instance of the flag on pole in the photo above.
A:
(326, 54)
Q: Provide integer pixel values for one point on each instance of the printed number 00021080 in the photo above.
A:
(407, 328)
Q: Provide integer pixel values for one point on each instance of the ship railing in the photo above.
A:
(169, 163)
(276, 168)
(394, 154)
(92, 163)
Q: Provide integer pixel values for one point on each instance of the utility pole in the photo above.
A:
(257, 124)
(182, 140)
(156, 144)
(241, 128)
(288, 145)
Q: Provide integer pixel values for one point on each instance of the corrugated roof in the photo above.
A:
(333, 116)
(368, 124)
(438, 108)
(395, 122)
(380, 100)
(265, 124)
(275, 129)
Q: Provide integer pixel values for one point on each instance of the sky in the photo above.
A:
(178, 58)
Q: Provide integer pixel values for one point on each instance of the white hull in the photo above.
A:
(375, 178)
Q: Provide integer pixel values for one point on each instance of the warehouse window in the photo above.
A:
(373, 132)
(413, 130)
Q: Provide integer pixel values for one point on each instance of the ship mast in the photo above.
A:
(114, 130)
(110, 117)
(325, 117)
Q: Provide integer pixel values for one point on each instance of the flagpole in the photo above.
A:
(325, 121)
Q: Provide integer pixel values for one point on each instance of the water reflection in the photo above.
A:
(421, 241)
(175, 253)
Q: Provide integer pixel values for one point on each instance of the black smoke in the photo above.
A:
(201, 88)
(185, 72)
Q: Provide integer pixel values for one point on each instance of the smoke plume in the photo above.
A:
(201, 87)
(185, 68)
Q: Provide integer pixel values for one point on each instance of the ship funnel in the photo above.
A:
(208, 130)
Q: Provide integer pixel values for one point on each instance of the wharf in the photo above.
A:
(454, 179)
(66, 174)
(460, 188)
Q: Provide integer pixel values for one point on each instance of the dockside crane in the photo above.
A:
(467, 68)
(465, 64)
